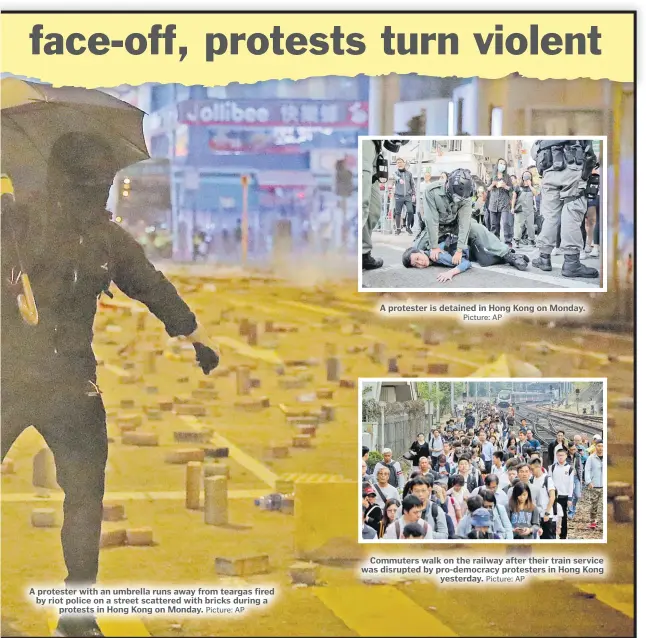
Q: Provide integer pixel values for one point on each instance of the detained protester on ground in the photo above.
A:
(404, 193)
(374, 513)
(411, 513)
(523, 515)
(417, 258)
(562, 475)
(522, 207)
(385, 491)
(396, 478)
(418, 449)
(566, 168)
(500, 519)
(73, 252)
(594, 484)
(544, 497)
(389, 515)
(499, 203)
(447, 211)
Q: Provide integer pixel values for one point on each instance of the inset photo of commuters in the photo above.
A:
(490, 459)
(482, 214)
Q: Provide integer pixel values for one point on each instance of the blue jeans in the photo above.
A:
(576, 495)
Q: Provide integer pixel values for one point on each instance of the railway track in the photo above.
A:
(546, 422)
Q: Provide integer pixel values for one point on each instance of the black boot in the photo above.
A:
(515, 260)
(370, 263)
(77, 627)
(572, 267)
(544, 262)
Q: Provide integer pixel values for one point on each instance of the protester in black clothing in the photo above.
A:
(73, 252)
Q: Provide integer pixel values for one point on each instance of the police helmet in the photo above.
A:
(394, 145)
(460, 183)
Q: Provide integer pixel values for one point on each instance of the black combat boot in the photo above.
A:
(370, 263)
(544, 262)
(517, 261)
(572, 267)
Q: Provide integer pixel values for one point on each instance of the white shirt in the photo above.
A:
(540, 495)
(389, 492)
(563, 479)
(391, 532)
(498, 471)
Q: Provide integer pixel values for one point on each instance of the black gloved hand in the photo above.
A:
(207, 358)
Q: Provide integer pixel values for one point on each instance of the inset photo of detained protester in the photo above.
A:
(482, 214)
(488, 459)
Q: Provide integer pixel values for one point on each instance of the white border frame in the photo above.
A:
(453, 541)
(453, 291)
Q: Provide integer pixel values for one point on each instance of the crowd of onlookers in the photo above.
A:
(484, 480)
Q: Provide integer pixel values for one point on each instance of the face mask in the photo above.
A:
(85, 201)
(502, 167)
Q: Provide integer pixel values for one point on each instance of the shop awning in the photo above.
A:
(285, 179)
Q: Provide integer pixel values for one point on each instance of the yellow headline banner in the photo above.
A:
(109, 49)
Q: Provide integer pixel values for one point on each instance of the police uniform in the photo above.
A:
(443, 216)
(371, 195)
(564, 166)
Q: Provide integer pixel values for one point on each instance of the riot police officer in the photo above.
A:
(374, 171)
(73, 251)
(370, 202)
(565, 167)
(447, 209)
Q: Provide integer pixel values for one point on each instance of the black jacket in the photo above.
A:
(78, 264)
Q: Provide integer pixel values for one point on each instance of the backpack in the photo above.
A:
(423, 523)
(551, 473)
(472, 482)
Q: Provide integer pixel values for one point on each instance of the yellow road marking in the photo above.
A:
(112, 626)
(32, 497)
(318, 309)
(268, 356)
(384, 602)
(619, 597)
(247, 461)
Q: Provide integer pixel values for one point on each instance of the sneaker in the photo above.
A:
(595, 251)
(371, 263)
(515, 260)
(588, 249)
(409, 231)
(77, 627)
(592, 525)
